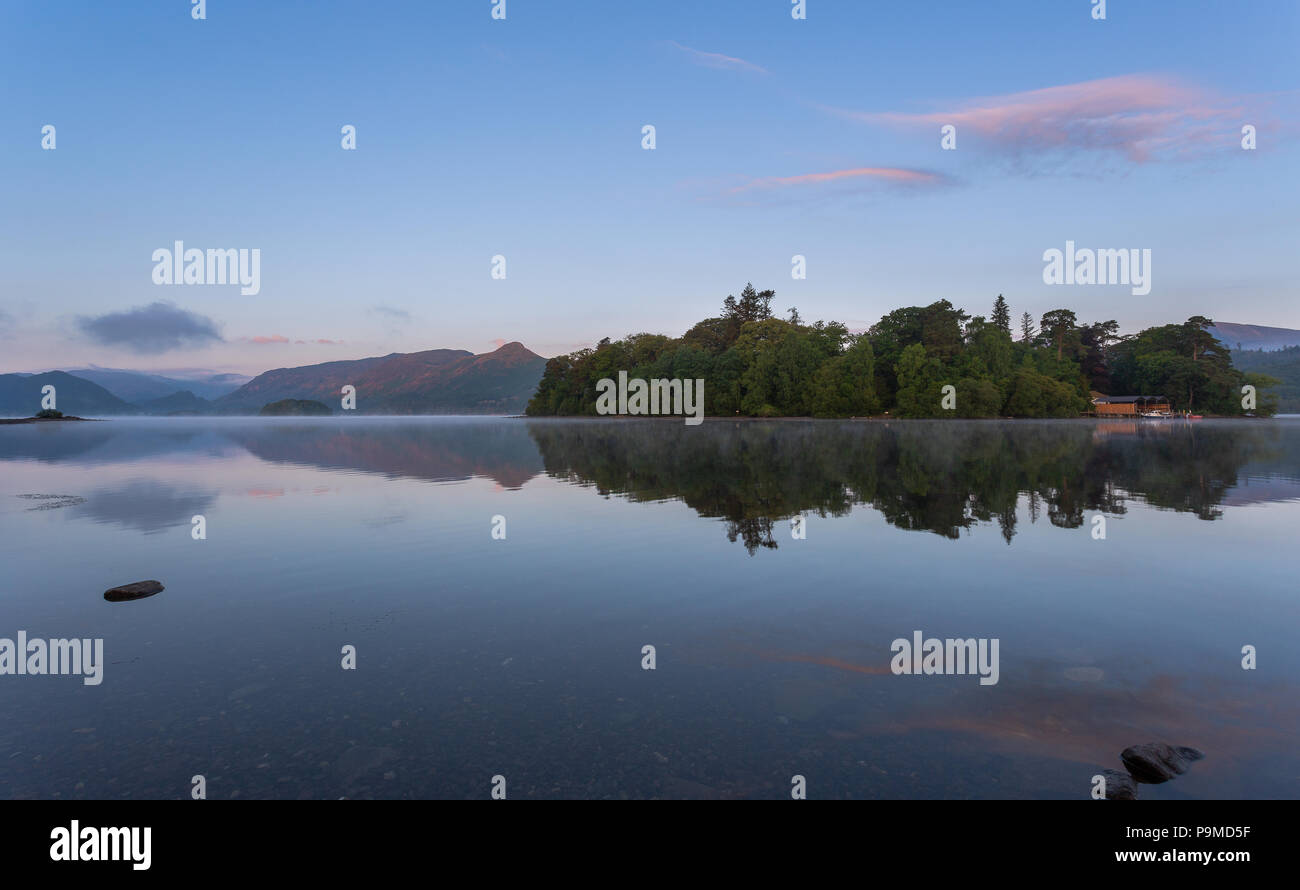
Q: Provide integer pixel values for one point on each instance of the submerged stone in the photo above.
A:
(134, 591)
(1155, 762)
(1119, 785)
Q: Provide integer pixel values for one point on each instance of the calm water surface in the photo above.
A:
(522, 657)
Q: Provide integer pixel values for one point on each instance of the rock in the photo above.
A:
(1155, 762)
(138, 590)
(1119, 785)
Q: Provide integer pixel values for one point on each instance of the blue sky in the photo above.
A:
(522, 137)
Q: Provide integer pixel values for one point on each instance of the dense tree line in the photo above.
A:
(758, 365)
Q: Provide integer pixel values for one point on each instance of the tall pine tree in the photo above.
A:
(1002, 314)
(1027, 331)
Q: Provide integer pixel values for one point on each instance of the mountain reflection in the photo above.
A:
(937, 476)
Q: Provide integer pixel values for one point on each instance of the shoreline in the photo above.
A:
(12, 420)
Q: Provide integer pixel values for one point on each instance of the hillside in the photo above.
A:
(438, 381)
(183, 402)
(20, 395)
(1284, 364)
(1254, 336)
(141, 386)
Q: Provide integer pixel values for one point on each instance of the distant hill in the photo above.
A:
(143, 386)
(1254, 336)
(184, 402)
(438, 381)
(20, 396)
(1284, 364)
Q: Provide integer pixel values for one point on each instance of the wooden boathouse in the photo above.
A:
(1129, 406)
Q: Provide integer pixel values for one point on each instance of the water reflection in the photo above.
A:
(524, 655)
(936, 476)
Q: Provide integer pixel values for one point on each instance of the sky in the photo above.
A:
(522, 137)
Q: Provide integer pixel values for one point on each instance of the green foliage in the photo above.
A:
(1036, 395)
(759, 365)
(1002, 314)
(920, 379)
(1280, 365)
(48, 414)
(1185, 363)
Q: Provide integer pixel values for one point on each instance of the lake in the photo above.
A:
(1121, 566)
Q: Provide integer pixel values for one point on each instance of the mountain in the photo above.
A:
(142, 386)
(183, 402)
(438, 381)
(1255, 336)
(20, 395)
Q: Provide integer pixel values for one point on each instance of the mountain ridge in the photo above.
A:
(433, 381)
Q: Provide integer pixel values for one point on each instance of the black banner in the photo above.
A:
(130, 839)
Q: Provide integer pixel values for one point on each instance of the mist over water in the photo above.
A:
(522, 657)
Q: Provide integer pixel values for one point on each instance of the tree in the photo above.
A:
(1027, 330)
(844, 385)
(920, 378)
(1002, 314)
(1198, 335)
(752, 305)
(1058, 326)
(1096, 339)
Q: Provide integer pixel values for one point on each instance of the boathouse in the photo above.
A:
(1129, 406)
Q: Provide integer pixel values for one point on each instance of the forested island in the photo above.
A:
(758, 365)
(295, 408)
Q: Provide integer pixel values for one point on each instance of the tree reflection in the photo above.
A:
(936, 476)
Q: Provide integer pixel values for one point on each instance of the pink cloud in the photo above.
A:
(1141, 116)
(718, 60)
(274, 338)
(894, 175)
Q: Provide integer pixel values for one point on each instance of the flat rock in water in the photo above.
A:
(1154, 762)
(1119, 785)
(138, 590)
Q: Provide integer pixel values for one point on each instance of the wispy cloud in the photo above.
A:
(1142, 117)
(273, 339)
(887, 175)
(158, 327)
(391, 312)
(718, 60)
